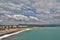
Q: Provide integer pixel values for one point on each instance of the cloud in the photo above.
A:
(1, 20)
(22, 17)
(30, 11)
(35, 18)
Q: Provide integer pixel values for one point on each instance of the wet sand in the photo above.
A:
(6, 31)
(11, 34)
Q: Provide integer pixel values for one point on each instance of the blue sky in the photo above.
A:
(29, 12)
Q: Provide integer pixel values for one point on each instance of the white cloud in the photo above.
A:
(1, 20)
(5, 12)
(42, 8)
(21, 17)
(35, 18)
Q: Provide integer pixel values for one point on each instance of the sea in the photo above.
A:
(43, 33)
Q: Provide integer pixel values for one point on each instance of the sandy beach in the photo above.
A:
(8, 31)
(11, 34)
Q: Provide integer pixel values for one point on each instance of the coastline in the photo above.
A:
(14, 33)
(6, 31)
(9, 31)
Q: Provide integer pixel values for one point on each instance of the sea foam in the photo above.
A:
(7, 35)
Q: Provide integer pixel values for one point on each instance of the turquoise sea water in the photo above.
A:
(47, 33)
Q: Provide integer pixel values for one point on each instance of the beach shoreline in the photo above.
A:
(11, 30)
(8, 31)
(14, 33)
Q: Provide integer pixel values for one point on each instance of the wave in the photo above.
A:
(7, 35)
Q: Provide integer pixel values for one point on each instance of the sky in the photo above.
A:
(14, 12)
